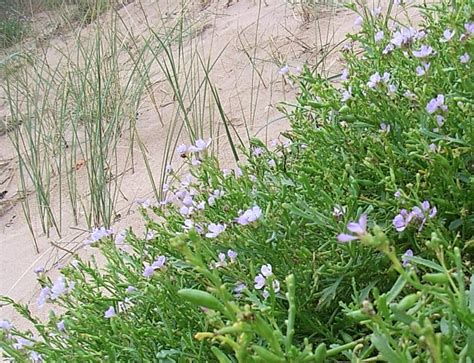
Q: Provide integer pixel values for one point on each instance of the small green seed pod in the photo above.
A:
(201, 298)
(436, 278)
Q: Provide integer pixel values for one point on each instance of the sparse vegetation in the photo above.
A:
(350, 239)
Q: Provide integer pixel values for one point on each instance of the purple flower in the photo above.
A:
(284, 70)
(375, 79)
(358, 21)
(221, 262)
(36, 357)
(38, 270)
(464, 58)
(385, 128)
(388, 49)
(250, 215)
(406, 257)
(130, 289)
(258, 151)
(359, 230)
(397, 194)
(424, 51)
(159, 262)
(61, 326)
(399, 222)
(266, 270)
(5, 325)
(110, 312)
(347, 94)
(469, 28)
(259, 281)
(148, 271)
(232, 255)
(392, 89)
(440, 120)
(379, 36)
(447, 35)
(149, 235)
(345, 74)
(215, 230)
(404, 36)
(182, 150)
(239, 288)
(435, 104)
(421, 70)
(97, 234)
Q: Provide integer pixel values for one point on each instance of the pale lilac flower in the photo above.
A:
(169, 169)
(338, 211)
(345, 74)
(202, 145)
(385, 128)
(399, 222)
(120, 237)
(276, 285)
(271, 163)
(130, 289)
(435, 104)
(250, 215)
(464, 58)
(239, 288)
(221, 262)
(284, 70)
(447, 36)
(195, 161)
(232, 255)
(148, 271)
(359, 230)
(36, 357)
(265, 294)
(253, 178)
(258, 151)
(215, 230)
(433, 147)
(376, 11)
(188, 224)
(5, 325)
(409, 94)
(38, 270)
(59, 288)
(259, 281)
(397, 194)
(97, 234)
(238, 172)
(226, 172)
(423, 52)
(358, 21)
(392, 89)
(375, 79)
(75, 263)
(421, 70)
(266, 270)
(440, 120)
(150, 235)
(110, 312)
(404, 36)
(201, 205)
(159, 263)
(388, 49)
(379, 36)
(61, 326)
(182, 150)
(347, 94)
(22, 342)
(43, 297)
(406, 257)
(469, 28)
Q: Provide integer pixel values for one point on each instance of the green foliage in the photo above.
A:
(402, 290)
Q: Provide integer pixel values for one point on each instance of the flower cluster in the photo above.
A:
(261, 280)
(60, 287)
(417, 215)
(97, 234)
(249, 216)
(358, 229)
(200, 145)
(222, 258)
(156, 265)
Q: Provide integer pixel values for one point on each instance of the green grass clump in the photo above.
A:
(350, 240)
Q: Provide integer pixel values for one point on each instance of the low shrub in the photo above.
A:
(351, 239)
